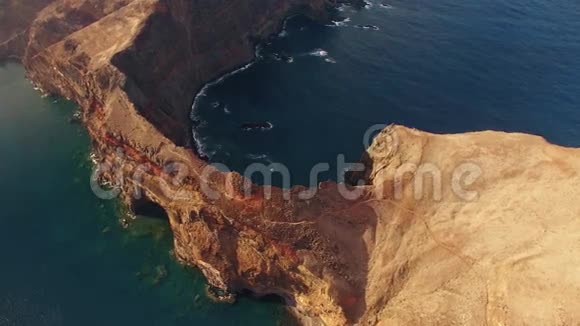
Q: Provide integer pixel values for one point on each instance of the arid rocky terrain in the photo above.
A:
(467, 229)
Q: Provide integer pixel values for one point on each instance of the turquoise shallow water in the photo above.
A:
(443, 66)
(65, 259)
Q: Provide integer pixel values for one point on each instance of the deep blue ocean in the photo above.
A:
(443, 66)
(438, 65)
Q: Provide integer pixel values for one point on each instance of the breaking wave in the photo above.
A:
(199, 141)
(339, 23)
(319, 53)
(203, 91)
(200, 146)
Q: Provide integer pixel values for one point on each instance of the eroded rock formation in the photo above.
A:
(472, 229)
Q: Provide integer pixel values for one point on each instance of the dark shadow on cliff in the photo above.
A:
(159, 71)
(347, 231)
(183, 46)
(164, 67)
(269, 298)
(258, 97)
(145, 207)
(360, 178)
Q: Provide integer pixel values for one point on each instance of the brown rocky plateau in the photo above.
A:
(492, 239)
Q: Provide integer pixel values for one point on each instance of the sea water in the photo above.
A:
(65, 259)
(443, 66)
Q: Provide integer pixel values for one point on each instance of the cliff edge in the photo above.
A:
(469, 229)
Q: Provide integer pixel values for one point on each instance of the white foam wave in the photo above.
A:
(284, 31)
(77, 115)
(94, 158)
(259, 157)
(339, 23)
(258, 51)
(200, 146)
(203, 91)
(282, 57)
(319, 53)
(330, 60)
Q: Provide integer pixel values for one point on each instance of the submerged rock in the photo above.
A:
(219, 295)
(159, 275)
(261, 126)
(77, 117)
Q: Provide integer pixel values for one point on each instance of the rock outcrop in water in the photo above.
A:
(472, 229)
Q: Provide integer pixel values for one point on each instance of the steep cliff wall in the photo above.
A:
(185, 44)
(172, 50)
(449, 229)
(120, 63)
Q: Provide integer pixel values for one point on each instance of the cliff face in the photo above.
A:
(448, 229)
(185, 44)
(165, 50)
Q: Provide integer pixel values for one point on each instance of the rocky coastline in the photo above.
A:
(483, 254)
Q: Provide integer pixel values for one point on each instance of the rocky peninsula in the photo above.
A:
(467, 229)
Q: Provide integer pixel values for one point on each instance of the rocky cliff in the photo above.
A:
(15, 19)
(469, 229)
